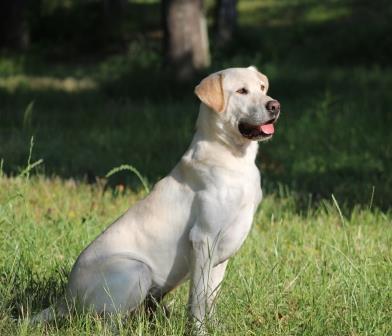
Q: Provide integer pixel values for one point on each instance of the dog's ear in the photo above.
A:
(210, 92)
(262, 77)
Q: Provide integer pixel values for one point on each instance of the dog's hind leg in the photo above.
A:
(117, 285)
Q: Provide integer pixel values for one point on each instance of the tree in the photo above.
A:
(186, 47)
(14, 30)
(225, 20)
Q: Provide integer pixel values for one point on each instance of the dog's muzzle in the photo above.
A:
(264, 130)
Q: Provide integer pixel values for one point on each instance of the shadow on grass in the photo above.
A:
(343, 33)
(327, 140)
(28, 292)
(333, 137)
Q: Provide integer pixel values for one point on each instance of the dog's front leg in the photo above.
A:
(203, 285)
(217, 274)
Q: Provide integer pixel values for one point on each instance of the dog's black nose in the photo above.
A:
(273, 106)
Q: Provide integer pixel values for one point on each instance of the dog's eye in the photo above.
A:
(262, 87)
(242, 91)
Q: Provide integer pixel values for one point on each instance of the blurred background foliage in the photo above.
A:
(93, 82)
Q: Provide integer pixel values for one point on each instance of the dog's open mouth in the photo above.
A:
(253, 132)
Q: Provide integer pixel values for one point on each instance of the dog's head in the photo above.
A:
(239, 97)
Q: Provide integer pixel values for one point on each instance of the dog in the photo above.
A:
(193, 220)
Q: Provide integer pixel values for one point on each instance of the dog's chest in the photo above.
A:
(225, 203)
(239, 219)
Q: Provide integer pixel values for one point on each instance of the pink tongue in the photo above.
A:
(267, 129)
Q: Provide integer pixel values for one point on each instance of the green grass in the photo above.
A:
(312, 274)
(318, 260)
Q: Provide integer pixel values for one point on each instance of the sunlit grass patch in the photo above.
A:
(42, 83)
(281, 13)
(303, 274)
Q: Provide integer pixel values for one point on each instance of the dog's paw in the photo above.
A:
(196, 328)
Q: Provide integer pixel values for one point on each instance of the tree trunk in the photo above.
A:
(225, 20)
(14, 29)
(186, 46)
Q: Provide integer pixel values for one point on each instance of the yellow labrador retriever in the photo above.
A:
(194, 219)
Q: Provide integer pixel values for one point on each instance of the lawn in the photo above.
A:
(318, 260)
(317, 273)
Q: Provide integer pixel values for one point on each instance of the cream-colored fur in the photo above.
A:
(193, 220)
